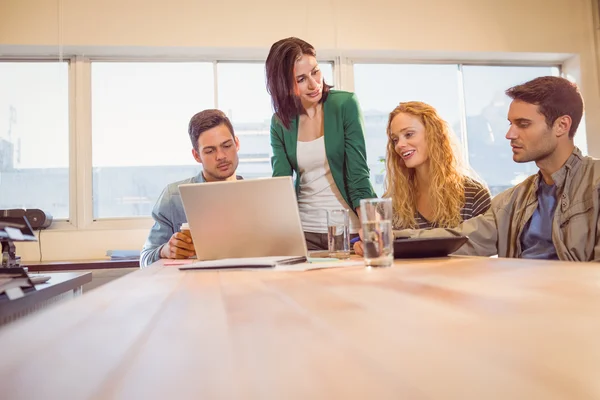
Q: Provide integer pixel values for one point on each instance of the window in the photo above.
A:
(485, 104)
(140, 112)
(140, 116)
(327, 71)
(34, 136)
(244, 98)
(140, 142)
(380, 87)
(490, 154)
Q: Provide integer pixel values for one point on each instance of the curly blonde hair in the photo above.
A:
(447, 182)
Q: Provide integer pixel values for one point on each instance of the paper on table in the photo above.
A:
(308, 266)
(261, 263)
(321, 259)
(242, 262)
(179, 262)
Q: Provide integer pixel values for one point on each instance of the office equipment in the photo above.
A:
(38, 219)
(249, 262)
(79, 265)
(123, 254)
(427, 247)
(14, 283)
(38, 279)
(13, 229)
(60, 287)
(245, 218)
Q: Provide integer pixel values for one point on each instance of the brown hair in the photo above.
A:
(281, 83)
(554, 96)
(205, 120)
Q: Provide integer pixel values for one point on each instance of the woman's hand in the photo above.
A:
(358, 246)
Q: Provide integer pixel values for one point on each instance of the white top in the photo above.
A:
(318, 191)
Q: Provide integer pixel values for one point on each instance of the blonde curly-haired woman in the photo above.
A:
(425, 178)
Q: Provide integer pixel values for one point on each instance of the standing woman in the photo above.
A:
(317, 133)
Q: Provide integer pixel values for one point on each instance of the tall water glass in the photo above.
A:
(338, 233)
(377, 237)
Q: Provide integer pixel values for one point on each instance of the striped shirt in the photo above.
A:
(477, 201)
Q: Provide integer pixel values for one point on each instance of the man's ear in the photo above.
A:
(563, 125)
(237, 143)
(196, 156)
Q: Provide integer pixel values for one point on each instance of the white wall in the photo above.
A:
(463, 29)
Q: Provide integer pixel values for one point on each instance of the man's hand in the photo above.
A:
(179, 246)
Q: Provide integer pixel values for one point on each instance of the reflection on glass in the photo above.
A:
(140, 115)
(34, 136)
(380, 87)
(243, 97)
(140, 143)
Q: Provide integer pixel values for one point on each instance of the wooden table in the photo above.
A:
(60, 286)
(455, 328)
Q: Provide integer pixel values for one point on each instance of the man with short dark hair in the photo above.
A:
(555, 213)
(215, 146)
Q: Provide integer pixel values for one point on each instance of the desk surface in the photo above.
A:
(59, 283)
(78, 265)
(448, 328)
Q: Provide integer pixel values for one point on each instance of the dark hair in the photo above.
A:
(205, 120)
(281, 83)
(554, 96)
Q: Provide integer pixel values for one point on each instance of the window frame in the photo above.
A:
(509, 62)
(69, 222)
(80, 118)
(84, 180)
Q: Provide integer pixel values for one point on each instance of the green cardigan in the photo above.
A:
(344, 146)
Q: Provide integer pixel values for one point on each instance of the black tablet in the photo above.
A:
(427, 247)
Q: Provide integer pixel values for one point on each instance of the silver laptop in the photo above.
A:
(245, 219)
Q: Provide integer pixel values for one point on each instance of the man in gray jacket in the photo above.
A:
(553, 214)
(215, 146)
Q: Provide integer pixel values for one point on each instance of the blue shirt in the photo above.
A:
(168, 215)
(536, 239)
